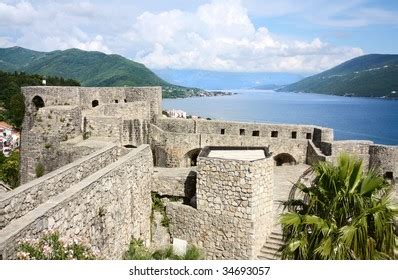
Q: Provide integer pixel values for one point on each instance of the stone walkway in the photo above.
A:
(284, 178)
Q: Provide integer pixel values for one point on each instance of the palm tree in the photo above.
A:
(344, 214)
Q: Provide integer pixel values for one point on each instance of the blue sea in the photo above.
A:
(350, 117)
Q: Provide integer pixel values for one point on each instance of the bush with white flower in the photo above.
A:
(52, 247)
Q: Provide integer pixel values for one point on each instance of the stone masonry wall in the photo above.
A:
(314, 155)
(18, 202)
(234, 208)
(172, 148)
(52, 95)
(285, 131)
(135, 132)
(384, 159)
(152, 95)
(130, 110)
(41, 135)
(112, 95)
(360, 149)
(106, 209)
(102, 126)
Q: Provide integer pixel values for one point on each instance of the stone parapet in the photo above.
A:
(18, 202)
(106, 209)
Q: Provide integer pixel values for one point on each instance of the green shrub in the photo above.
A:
(137, 251)
(9, 169)
(39, 170)
(158, 205)
(52, 247)
(47, 146)
(193, 253)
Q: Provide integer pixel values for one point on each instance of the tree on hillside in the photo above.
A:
(344, 214)
(9, 169)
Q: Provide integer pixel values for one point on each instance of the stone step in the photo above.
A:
(277, 242)
(269, 256)
(270, 250)
(272, 246)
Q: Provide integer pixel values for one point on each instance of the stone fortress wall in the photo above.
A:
(55, 115)
(99, 147)
(105, 209)
(16, 203)
(287, 142)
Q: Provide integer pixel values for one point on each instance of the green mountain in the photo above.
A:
(88, 67)
(373, 75)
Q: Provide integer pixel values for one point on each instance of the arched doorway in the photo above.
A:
(284, 159)
(38, 102)
(191, 158)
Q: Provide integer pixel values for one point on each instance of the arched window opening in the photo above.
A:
(38, 102)
(95, 103)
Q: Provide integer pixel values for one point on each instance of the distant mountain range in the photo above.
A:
(88, 67)
(373, 75)
(226, 80)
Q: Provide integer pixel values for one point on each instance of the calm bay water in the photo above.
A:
(350, 117)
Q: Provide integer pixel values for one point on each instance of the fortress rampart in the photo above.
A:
(176, 143)
(18, 202)
(106, 209)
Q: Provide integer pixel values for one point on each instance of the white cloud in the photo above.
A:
(5, 42)
(221, 36)
(201, 34)
(21, 13)
(51, 26)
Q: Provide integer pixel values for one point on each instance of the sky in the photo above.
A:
(221, 35)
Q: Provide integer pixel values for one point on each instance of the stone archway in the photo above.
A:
(191, 158)
(284, 159)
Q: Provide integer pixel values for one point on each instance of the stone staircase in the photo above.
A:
(271, 247)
